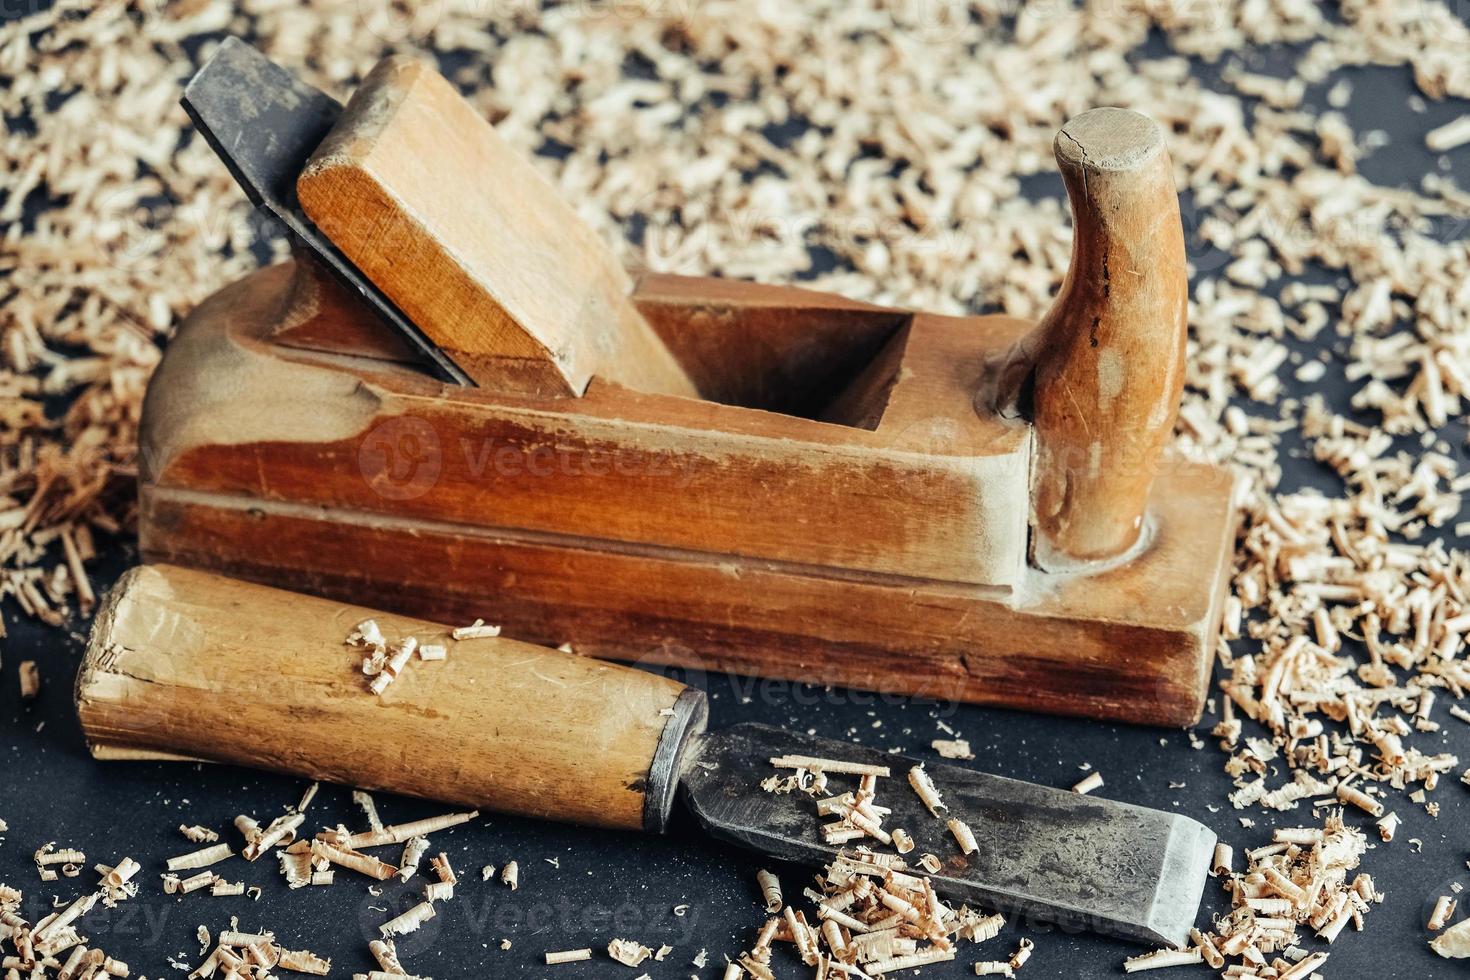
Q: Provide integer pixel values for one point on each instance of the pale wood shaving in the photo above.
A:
(92, 292)
(1454, 942)
(1088, 783)
(952, 748)
(872, 914)
(628, 952)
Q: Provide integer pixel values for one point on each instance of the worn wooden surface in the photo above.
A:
(474, 245)
(1109, 354)
(187, 664)
(360, 488)
(1133, 643)
(930, 494)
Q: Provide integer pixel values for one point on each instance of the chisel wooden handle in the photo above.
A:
(186, 664)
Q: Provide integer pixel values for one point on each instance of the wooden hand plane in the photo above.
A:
(455, 403)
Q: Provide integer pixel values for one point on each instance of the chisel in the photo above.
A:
(184, 664)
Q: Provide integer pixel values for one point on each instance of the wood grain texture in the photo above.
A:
(1133, 643)
(930, 494)
(279, 497)
(318, 314)
(186, 664)
(474, 245)
(797, 350)
(1109, 355)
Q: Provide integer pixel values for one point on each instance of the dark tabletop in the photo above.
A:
(583, 887)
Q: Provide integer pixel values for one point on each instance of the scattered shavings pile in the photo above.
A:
(1300, 881)
(891, 138)
(874, 915)
(55, 948)
(904, 167)
(384, 661)
(54, 942)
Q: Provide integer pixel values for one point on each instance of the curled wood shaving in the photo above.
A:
(409, 921)
(90, 293)
(770, 887)
(198, 834)
(1454, 942)
(1088, 783)
(628, 952)
(1300, 883)
(201, 858)
(399, 833)
(476, 630)
(872, 914)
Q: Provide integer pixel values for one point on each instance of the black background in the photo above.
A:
(610, 885)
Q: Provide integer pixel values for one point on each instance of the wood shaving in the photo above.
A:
(354, 860)
(399, 833)
(924, 787)
(386, 673)
(963, 835)
(364, 800)
(413, 853)
(569, 956)
(628, 952)
(281, 831)
(1444, 911)
(770, 887)
(831, 766)
(511, 875)
(872, 914)
(475, 631)
(1088, 783)
(91, 294)
(409, 921)
(1454, 942)
(956, 748)
(30, 680)
(198, 834)
(1452, 134)
(443, 869)
(201, 858)
(1162, 959)
(302, 961)
(1300, 882)
(386, 953)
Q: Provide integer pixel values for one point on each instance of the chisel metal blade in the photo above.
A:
(1054, 855)
(264, 124)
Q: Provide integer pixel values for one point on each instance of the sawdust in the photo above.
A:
(892, 138)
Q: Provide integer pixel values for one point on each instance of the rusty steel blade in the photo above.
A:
(1054, 855)
(264, 124)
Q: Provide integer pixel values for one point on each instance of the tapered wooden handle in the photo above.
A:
(1109, 355)
(186, 664)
